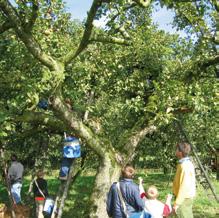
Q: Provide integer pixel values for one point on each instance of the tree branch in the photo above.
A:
(90, 97)
(109, 39)
(25, 37)
(143, 3)
(216, 4)
(34, 15)
(210, 62)
(100, 147)
(117, 14)
(135, 139)
(5, 26)
(42, 119)
(86, 35)
(123, 32)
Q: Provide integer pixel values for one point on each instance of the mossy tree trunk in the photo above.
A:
(108, 172)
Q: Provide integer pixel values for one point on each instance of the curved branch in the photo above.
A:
(86, 35)
(25, 37)
(134, 141)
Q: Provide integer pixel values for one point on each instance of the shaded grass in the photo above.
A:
(77, 203)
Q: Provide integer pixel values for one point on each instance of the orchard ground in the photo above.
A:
(205, 205)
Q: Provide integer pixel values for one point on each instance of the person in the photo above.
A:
(65, 168)
(15, 175)
(40, 191)
(184, 187)
(130, 193)
(156, 208)
(71, 150)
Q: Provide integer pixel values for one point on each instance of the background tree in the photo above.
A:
(110, 86)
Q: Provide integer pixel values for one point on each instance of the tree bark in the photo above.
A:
(109, 167)
(108, 172)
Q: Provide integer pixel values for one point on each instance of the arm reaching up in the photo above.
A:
(141, 189)
(168, 200)
(167, 207)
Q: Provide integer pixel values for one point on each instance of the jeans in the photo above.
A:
(16, 192)
(65, 166)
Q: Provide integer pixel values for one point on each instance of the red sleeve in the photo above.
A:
(143, 195)
(166, 210)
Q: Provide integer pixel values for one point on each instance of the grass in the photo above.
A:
(76, 204)
(205, 205)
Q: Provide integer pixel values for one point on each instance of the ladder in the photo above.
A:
(202, 174)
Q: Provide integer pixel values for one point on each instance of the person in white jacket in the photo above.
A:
(153, 206)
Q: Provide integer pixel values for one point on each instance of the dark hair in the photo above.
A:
(40, 173)
(128, 172)
(184, 147)
(13, 157)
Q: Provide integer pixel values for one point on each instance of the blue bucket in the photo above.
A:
(72, 148)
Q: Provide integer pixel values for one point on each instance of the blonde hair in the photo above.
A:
(152, 192)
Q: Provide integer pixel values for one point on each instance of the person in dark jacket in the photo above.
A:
(130, 193)
(40, 191)
(15, 175)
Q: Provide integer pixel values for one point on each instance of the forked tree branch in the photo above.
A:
(86, 35)
(34, 15)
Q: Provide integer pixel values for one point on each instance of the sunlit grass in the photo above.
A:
(77, 203)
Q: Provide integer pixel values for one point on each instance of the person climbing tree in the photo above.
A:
(71, 150)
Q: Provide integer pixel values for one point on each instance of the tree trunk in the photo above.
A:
(108, 172)
(217, 163)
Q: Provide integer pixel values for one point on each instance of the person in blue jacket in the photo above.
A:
(130, 193)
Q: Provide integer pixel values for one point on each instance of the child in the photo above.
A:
(156, 208)
(40, 193)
